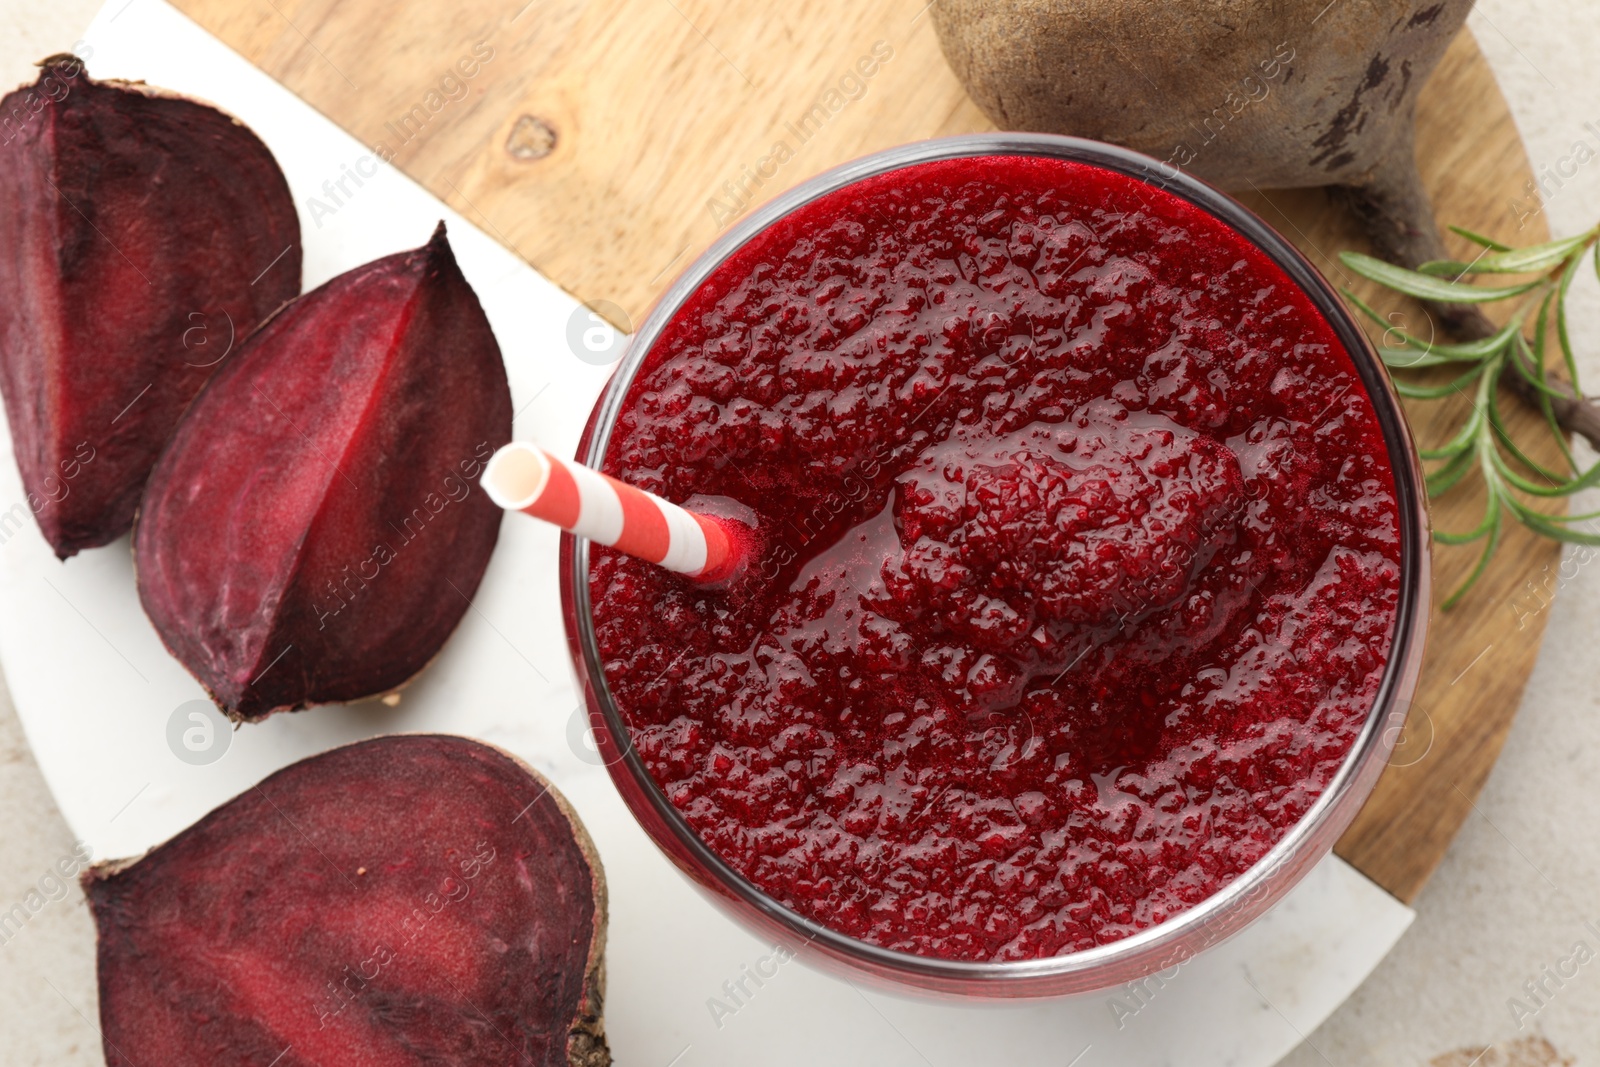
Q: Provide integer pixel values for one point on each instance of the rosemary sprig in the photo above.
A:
(1483, 442)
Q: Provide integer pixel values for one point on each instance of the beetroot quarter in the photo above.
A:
(313, 533)
(408, 900)
(141, 234)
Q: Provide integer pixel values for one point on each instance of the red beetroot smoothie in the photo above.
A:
(1079, 570)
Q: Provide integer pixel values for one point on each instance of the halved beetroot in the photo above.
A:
(312, 534)
(403, 901)
(140, 234)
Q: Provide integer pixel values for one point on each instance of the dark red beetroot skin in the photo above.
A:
(140, 233)
(312, 533)
(407, 900)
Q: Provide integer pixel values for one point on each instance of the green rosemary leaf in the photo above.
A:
(1463, 440)
(1411, 359)
(1461, 352)
(1551, 478)
(1541, 523)
(1445, 478)
(1587, 516)
(1535, 258)
(1587, 480)
(1431, 354)
(1549, 414)
(1530, 359)
(1384, 324)
(1550, 489)
(1522, 357)
(1491, 520)
(1483, 348)
(1444, 268)
(1434, 392)
(1561, 321)
(1480, 239)
(1537, 353)
(1484, 440)
(1492, 517)
(1424, 287)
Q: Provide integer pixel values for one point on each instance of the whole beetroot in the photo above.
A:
(405, 901)
(140, 234)
(1262, 94)
(312, 533)
(1248, 94)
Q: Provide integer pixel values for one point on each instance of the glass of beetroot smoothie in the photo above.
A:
(1090, 580)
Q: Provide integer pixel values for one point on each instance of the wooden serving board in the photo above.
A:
(609, 143)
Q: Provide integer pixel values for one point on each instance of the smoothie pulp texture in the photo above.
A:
(1079, 564)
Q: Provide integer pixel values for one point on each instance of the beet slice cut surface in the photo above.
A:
(314, 531)
(142, 236)
(408, 900)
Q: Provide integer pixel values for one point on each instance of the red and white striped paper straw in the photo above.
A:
(526, 478)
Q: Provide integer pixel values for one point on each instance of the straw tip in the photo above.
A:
(727, 561)
(515, 475)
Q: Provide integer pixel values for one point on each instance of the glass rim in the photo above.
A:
(1226, 909)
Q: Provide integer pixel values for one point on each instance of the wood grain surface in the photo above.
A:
(609, 143)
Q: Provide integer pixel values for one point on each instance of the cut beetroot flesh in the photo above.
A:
(141, 236)
(402, 901)
(313, 533)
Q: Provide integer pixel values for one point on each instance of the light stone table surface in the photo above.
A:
(1512, 899)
